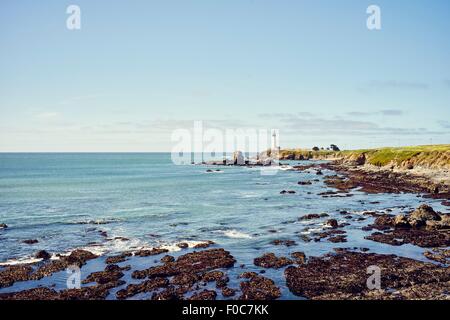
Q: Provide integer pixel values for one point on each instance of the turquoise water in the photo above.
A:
(58, 199)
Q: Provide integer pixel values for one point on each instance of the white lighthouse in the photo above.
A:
(274, 140)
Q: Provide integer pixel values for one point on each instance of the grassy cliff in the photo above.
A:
(429, 156)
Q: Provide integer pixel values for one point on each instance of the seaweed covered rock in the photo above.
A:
(270, 260)
(258, 288)
(344, 275)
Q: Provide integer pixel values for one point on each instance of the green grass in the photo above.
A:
(383, 156)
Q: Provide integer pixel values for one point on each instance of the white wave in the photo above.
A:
(236, 234)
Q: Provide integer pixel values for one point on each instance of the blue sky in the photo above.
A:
(137, 70)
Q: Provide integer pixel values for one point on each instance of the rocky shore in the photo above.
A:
(209, 271)
(202, 272)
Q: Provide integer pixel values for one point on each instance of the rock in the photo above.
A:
(119, 258)
(204, 244)
(332, 223)
(194, 262)
(424, 213)
(338, 239)
(319, 172)
(167, 258)
(401, 221)
(77, 257)
(30, 241)
(204, 295)
(287, 243)
(304, 183)
(383, 222)
(103, 277)
(11, 274)
(419, 237)
(299, 257)
(228, 292)
(44, 255)
(360, 160)
(344, 276)
(443, 224)
(185, 278)
(238, 158)
(258, 288)
(146, 286)
(269, 260)
(3, 226)
(182, 245)
(313, 216)
(152, 252)
(439, 255)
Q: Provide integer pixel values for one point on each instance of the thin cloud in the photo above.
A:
(444, 124)
(385, 112)
(391, 112)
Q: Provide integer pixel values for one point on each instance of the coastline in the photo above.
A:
(208, 270)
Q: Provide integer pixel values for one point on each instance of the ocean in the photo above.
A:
(113, 202)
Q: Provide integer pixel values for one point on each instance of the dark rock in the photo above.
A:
(287, 243)
(287, 192)
(77, 257)
(146, 286)
(14, 273)
(439, 255)
(204, 244)
(299, 257)
(170, 293)
(213, 276)
(424, 213)
(182, 245)
(337, 239)
(401, 221)
(152, 252)
(258, 288)
(204, 295)
(269, 260)
(30, 241)
(419, 237)
(185, 278)
(332, 223)
(344, 276)
(119, 258)
(103, 277)
(228, 292)
(167, 258)
(3, 226)
(44, 255)
(194, 262)
(313, 216)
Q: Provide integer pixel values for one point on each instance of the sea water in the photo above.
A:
(142, 200)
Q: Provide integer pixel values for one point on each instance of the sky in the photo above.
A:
(138, 70)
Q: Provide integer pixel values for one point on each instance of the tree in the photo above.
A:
(316, 149)
(335, 147)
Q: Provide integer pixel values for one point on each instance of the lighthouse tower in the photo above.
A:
(274, 141)
(275, 145)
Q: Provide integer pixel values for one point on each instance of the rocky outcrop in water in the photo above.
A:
(345, 275)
